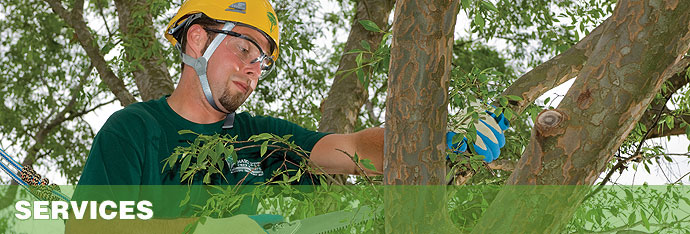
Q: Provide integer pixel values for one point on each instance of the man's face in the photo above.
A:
(230, 72)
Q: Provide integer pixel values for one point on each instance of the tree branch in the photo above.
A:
(143, 48)
(552, 73)
(75, 20)
(677, 81)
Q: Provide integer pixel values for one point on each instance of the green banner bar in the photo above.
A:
(391, 209)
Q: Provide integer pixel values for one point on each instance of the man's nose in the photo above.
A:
(253, 70)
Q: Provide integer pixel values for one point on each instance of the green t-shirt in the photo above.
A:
(131, 145)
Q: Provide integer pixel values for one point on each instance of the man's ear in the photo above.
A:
(196, 40)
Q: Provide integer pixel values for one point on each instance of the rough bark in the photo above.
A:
(553, 72)
(571, 145)
(417, 114)
(347, 95)
(136, 24)
(75, 19)
(341, 107)
(676, 82)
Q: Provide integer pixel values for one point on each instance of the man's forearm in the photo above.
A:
(369, 144)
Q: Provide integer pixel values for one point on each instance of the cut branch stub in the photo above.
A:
(548, 122)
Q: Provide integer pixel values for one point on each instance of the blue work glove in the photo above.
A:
(490, 138)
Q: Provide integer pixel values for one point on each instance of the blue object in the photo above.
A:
(266, 221)
(462, 144)
(493, 149)
(501, 120)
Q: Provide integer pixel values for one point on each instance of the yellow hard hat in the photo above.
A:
(256, 13)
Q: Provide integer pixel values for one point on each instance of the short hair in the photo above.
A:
(205, 22)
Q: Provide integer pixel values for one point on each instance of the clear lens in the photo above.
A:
(249, 53)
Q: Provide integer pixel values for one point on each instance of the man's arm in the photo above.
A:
(368, 144)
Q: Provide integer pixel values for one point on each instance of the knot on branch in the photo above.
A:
(548, 122)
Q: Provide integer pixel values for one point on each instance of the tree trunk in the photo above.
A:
(417, 115)
(347, 95)
(143, 49)
(572, 144)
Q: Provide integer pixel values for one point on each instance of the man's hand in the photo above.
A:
(490, 138)
(237, 224)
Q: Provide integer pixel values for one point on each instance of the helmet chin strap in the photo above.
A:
(201, 64)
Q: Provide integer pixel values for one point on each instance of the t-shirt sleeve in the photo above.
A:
(301, 136)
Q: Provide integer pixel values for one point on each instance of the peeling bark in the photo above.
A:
(75, 19)
(677, 81)
(552, 73)
(341, 107)
(417, 114)
(347, 95)
(637, 52)
(152, 78)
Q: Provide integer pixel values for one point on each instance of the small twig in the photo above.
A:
(358, 166)
(636, 155)
(681, 178)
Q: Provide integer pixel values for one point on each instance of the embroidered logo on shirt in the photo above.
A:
(244, 165)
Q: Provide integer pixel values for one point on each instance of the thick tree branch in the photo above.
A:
(677, 81)
(75, 20)
(554, 72)
(347, 95)
(342, 105)
(571, 145)
(136, 24)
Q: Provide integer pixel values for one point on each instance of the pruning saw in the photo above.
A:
(325, 223)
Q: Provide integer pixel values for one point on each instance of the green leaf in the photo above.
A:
(181, 132)
(207, 178)
(479, 20)
(264, 147)
(489, 5)
(262, 136)
(514, 98)
(370, 26)
(185, 163)
(631, 218)
(628, 195)
(503, 101)
(645, 220)
(365, 45)
(360, 76)
(466, 4)
(219, 148)
(368, 165)
(202, 156)
(686, 200)
(185, 200)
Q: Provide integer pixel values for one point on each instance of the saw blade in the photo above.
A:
(325, 223)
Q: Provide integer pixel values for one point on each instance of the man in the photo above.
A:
(226, 47)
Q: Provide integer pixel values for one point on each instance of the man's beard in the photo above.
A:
(231, 102)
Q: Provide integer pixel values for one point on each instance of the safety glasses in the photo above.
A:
(247, 50)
